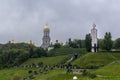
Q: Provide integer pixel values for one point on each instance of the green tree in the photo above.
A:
(31, 52)
(69, 42)
(107, 41)
(88, 42)
(82, 44)
(76, 43)
(117, 43)
(101, 43)
(57, 45)
(39, 52)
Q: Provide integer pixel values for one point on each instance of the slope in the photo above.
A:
(95, 60)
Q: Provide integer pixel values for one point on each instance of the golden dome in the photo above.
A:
(31, 42)
(46, 26)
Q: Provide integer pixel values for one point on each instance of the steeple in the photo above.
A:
(94, 25)
(46, 37)
(30, 42)
(94, 38)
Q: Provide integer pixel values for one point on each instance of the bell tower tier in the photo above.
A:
(46, 37)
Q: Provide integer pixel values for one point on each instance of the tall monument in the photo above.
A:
(94, 39)
(46, 37)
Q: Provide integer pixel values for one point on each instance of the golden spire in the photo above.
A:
(31, 42)
(46, 26)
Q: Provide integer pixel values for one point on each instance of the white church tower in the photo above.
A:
(94, 39)
(46, 37)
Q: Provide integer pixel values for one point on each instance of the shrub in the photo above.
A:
(30, 71)
(91, 75)
(87, 73)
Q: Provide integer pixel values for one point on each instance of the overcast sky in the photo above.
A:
(24, 20)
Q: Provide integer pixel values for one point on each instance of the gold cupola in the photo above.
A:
(46, 26)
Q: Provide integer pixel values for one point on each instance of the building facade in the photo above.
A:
(46, 38)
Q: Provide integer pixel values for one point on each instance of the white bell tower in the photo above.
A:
(94, 38)
(46, 37)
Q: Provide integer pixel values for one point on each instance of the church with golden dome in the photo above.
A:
(46, 37)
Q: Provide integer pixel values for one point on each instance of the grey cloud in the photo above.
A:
(24, 19)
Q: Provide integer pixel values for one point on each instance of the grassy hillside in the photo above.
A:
(18, 74)
(13, 74)
(80, 77)
(94, 60)
(48, 60)
(65, 51)
(112, 70)
(57, 74)
(68, 77)
(50, 74)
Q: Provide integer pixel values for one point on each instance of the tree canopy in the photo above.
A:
(117, 43)
(15, 54)
(107, 41)
(88, 42)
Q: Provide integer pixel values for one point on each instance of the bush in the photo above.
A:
(84, 72)
(91, 75)
(92, 67)
(30, 71)
(87, 73)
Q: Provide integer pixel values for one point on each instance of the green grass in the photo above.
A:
(65, 77)
(96, 59)
(60, 74)
(48, 60)
(50, 74)
(57, 74)
(112, 70)
(80, 77)
(65, 51)
(10, 74)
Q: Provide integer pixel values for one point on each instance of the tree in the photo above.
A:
(101, 43)
(69, 42)
(107, 41)
(88, 42)
(79, 43)
(82, 44)
(76, 43)
(57, 45)
(31, 52)
(39, 52)
(117, 43)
